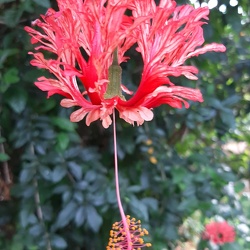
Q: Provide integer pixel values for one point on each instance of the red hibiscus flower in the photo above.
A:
(219, 233)
(89, 39)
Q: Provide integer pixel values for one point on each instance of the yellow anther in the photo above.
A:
(148, 142)
(153, 160)
(118, 235)
(150, 150)
(141, 240)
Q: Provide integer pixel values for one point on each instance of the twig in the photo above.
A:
(6, 173)
(39, 210)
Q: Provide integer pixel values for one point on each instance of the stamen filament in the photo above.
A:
(124, 220)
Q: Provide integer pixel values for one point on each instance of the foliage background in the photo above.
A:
(177, 172)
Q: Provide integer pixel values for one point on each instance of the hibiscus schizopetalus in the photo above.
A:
(89, 39)
(166, 36)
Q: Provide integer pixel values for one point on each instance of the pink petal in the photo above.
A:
(78, 115)
(92, 116)
(209, 47)
(68, 103)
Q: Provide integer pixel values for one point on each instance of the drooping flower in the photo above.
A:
(118, 239)
(89, 39)
(219, 233)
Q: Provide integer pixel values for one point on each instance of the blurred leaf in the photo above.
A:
(178, 175)
(152, 203)
(227, 117)
(75, 169)
(12, 16)
(231, 246)
(80, 216)
(45, 172)
(63, 123)
(26, 175)
(139, 208)
(66, 215)
(239, 187)
(4, 54)
(188, 204)
(213, 102)
(58, 242)
(4, 157)
(17, 100)
(36, 230)
(58, 173)
(90, 176)
(62, 140)
(231, 100)
(11, 76)
(44, 3)
(93, 218)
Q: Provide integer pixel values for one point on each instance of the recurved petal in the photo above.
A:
(78, 115)
(68, 103)
(93, 116)
(174, 96)
(136, 114)
(106, 122)
(209, 47)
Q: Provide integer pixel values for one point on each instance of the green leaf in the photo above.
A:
(5, 54)
(66, 215)
(17, 100)
(93, 218)
(139, 208)
(12, 16)
(43, 3)
(80, 216)
(4, 157)
(227, 117)
(45, 172)
(11, 76)
(58, 173)
(63, 123)
(90, 176)
(171, 233)
(213, 102)
(75, 169)
(231, 100)
(188, 204)
(232, 246)
(36, 230)
(62, 140)
(58, 242)
(26, 175)
(239, 187)
(152, 203)
(178, 175)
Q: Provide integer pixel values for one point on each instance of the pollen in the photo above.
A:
(118, 239)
